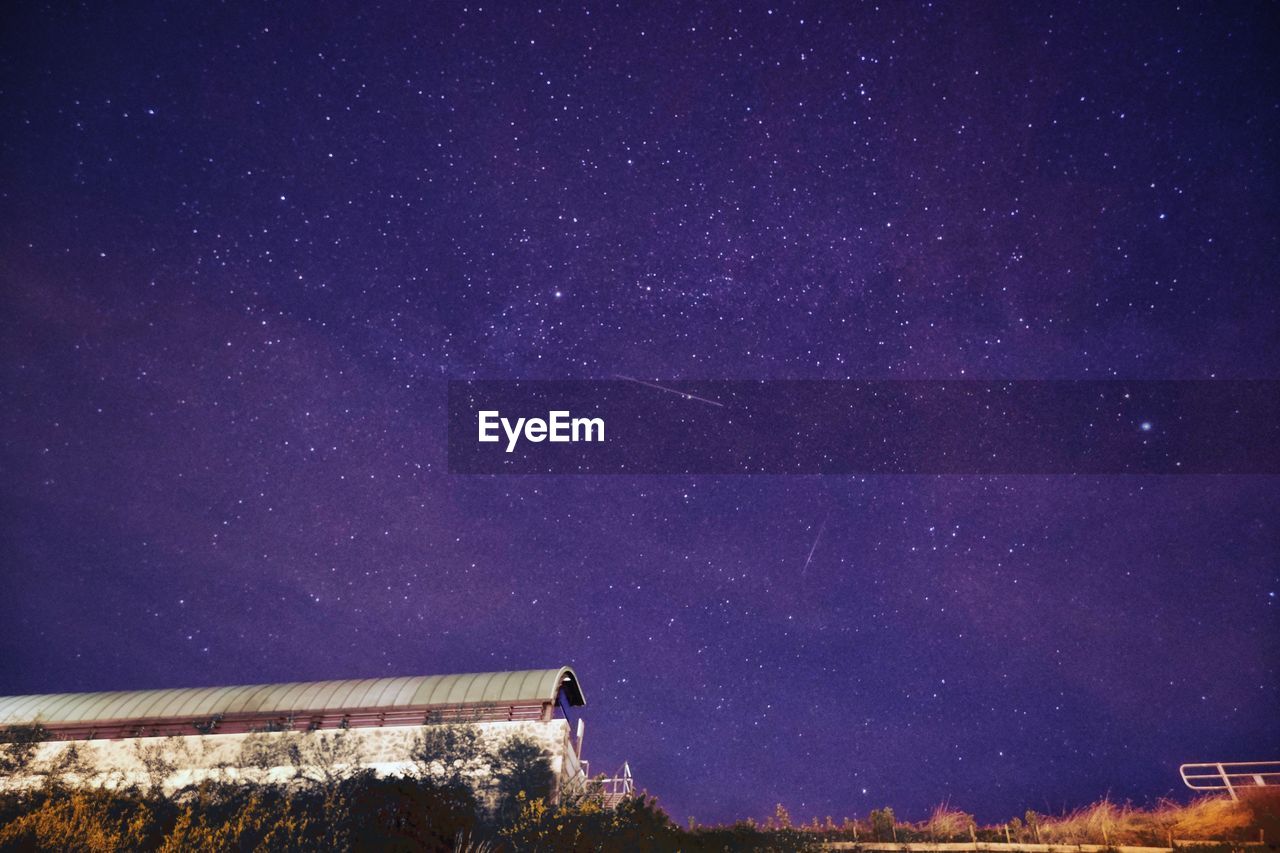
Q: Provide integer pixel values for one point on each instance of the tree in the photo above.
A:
(452, 755)
(521, 766)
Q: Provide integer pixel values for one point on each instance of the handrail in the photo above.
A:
(1229, 775)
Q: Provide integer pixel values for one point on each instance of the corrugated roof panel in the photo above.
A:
(239, 699)
(286, 699)
(95, 705)
(259, 700)
(350, 694)
(309, 696)
(370, 696)
(427, 692)
(495, 687)
(423, 691)
(131, 705)
(233, 697)
(167, 702)
(458, 689)
(504, 684)
(536, 684)
(20, 708)
(399, 692)
(313, 696)
(380, 693)
(342, 695)
(192, 703)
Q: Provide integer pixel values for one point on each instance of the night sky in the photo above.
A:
(243, 250)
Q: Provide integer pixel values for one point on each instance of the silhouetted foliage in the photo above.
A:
(18, 746)
(325, 758)
(521, 767)
(883, 824)
(454, 755)
(324, 802)
(367, 812)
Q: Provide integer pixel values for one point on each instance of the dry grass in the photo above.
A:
(1204, 819)
(1208, 819)
(946, 823)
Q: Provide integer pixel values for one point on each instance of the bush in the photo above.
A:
(363, 811)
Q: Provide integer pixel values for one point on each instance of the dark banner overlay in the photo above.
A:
(634, 426)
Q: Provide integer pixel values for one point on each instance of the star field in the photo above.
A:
(243, 250)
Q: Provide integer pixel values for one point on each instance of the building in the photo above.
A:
(274, 732)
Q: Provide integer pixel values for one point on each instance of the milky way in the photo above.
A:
(243, 250)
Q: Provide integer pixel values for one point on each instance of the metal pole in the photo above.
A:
(1226, 780)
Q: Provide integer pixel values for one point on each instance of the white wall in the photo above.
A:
(195, 758)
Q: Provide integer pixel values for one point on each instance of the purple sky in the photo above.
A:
(242, 251)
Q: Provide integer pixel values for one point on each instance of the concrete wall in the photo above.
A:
(174, 762)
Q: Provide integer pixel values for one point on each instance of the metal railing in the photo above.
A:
(1230, 776)
(618, 786)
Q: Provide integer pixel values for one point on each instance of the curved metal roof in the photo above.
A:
(470, 689)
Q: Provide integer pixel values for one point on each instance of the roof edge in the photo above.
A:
(567, 680)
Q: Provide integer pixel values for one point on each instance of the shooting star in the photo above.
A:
(687, 396)
(816, 539)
